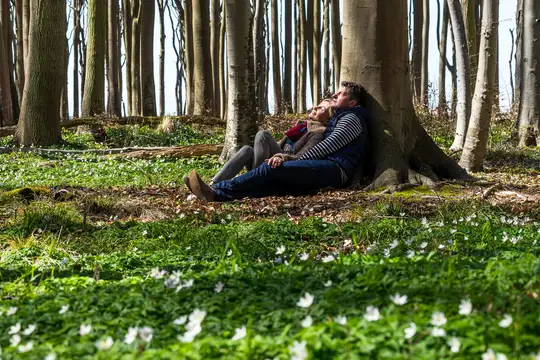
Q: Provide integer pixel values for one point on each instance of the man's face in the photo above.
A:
(341, 99)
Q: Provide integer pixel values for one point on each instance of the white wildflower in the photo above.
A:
(280, 250)
(454, 344)
(328, 258)
(219, 287)
(298, 350)
(305, 301)
(239, 333)
(438, 332)
(63, 310)
(131, 335)
(399, 299)
(394, 244)
(229, 252)
(465, 307)
(197, 316)
(146, 333)
(506, 321)
(423, 245)
(11, 311)
(50, 356)
(342, 320)
(307, 322)
(410, 254)
(372, 313)
(15, 328)
(85, 329)
(328, 283)
(438, 319)
(386, 253)
(15, 340)
(156, 273)
(181, 320)
(491, 355)
(105, 344)
(26, 347)
(29, 330)
(304, 256)
(410, 331)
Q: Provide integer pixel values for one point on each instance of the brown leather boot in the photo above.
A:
(198, 187)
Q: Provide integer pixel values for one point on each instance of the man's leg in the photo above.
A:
(243, 158)
(264, 148)
(293, 177)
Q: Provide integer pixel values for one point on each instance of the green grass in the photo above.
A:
(483, 255)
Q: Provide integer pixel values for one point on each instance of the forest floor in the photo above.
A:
(104, 257)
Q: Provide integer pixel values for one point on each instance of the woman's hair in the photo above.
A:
(330, 110)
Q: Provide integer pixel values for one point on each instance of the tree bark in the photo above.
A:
(258, 55)
(475, 147)
(529, 105)
(241, 117)
(128, 29)
(94, 91)
(278, 107)
(442, 106)
(64, 97)
(316, 56)
(20, 50)
(336, 42)
(301, 101)
(519, 51)
(295, 56)
(148, 86)
(463, 73)
(136, 100)
(326, 49)
(76, 44)
(417, 50)
(113, 60)
(375, 55)
(287, 51)
(469, 18)
(6, 106)
(202, 66)
(188, 55)
(424, 96)
(222, 65)
(161, 11)
(26, 31)
(214, 53)
(39, 122)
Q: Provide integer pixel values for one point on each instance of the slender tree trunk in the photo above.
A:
(278, 107)
(469, 18)
(128, 29)
(148, 86)
(529, 105)
(454, 101)
(26, 31)
(76, 44)
(20, 49)
(308, 31)
(64, 97)
(301, 102)
(441, 107)
(475, 147)
(417, 50)
(295, 55)
(463, 73)
(136, 101)
(82, 57)
(424, 96)
(241, 117)
(161, 10)
(316, 48)
(258, 55)
(94, 91)
(202, 66)
(511, 69)
(114, 100)
(39, 122)
(188, 55)
(336, 42)
(222, 65)
(6, 107)
(214, 53)
(519, 50)
(11, 90)
(287, 51)
(402, 150)
(326, 48)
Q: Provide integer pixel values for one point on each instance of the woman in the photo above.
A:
(297, 140)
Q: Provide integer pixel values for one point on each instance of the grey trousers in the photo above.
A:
(249, 157)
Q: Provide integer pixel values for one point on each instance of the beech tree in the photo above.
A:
(375, 55)
(39, 122)
(202, 65)
(275, 58)
(529, 105)
(148, 86)
(336, 40)
(113, 60)
(287, 51)
(7, 116)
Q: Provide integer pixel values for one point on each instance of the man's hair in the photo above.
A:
(355, 91)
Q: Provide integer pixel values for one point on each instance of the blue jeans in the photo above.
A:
(290, 178)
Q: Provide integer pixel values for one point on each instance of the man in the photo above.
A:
(331, 163)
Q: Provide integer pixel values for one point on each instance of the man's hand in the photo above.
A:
(274, 161)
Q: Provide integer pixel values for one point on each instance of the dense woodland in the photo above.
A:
(103, 255)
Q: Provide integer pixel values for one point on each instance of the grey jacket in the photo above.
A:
(314, 135)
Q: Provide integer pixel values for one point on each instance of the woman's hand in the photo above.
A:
(275, 161)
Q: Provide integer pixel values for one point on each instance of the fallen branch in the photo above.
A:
(129, 120)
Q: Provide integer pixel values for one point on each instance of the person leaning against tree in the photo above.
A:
(333, 162)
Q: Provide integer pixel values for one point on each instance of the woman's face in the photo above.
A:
(320, 112)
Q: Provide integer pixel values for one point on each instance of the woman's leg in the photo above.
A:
(265, 147)
(243, 158)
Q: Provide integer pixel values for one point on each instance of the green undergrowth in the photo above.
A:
(130, 274)
(24, 169)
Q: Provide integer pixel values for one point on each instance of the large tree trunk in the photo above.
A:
(94, 85)
(259, 55)
(529, 105)
(39, 122)
(302, 66)
(128, 29)
(424, 96)
(475, 147)
(375, 55)
(222, 65)
(25, 31)
(441, 103)
(241, 117)
(417, 50)
(519, 51)
(113, 60)
(278, 108)
(64, 98)
(463, 72)
(214, 53)
(469, 18)
(287, 51)
(136, 101)
(316, 48)
(161, 11)
(202, 66)
(6, 106)
(20, 50)
(188, 55)
(148, 86)
(336, 42)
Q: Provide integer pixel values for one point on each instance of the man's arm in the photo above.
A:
(348, 128)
